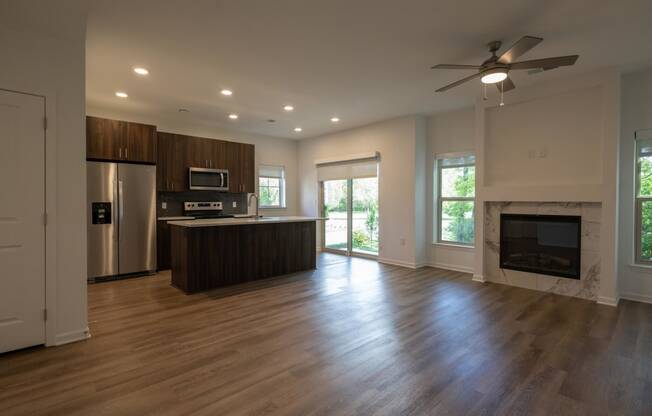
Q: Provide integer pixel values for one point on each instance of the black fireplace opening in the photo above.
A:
(545, 244)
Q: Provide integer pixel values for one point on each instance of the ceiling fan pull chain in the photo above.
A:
(502, 93)
(483, 87)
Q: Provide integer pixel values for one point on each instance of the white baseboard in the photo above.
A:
(401, 263)
(478, 278)
(453, 267)
(636, 297)
(72, 336)
(605, 300)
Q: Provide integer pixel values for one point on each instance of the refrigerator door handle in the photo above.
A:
(121, 209)
(115, 211)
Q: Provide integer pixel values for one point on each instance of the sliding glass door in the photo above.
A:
(336, 208)
(364, 215)
(351, 206)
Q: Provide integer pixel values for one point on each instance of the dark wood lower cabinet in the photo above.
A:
(205, 258)
(163, 259)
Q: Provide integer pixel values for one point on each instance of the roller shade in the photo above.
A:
(267, 171)
(364, 167)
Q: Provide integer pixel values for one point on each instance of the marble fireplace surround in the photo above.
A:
(589, 284)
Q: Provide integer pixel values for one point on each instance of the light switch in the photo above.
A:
(235, 204)
(164, 205)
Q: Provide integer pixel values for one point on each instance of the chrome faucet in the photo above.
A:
(257, 202)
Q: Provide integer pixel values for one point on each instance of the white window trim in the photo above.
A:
(639, 200)
(437, 240)
(282, 196)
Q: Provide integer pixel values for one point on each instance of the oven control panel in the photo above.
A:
(202, 206)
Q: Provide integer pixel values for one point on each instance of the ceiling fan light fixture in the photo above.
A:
(494, 76)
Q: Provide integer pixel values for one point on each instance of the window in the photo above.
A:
(271, 186)
(643, 199)
(455, 199)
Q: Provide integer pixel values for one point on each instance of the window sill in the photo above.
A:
(642, 267)
(272, 207)
(453, 245)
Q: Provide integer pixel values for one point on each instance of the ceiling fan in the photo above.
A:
(494, 70)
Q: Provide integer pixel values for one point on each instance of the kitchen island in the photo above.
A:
(211, 253)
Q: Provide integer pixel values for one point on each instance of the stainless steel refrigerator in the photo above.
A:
(121, 219)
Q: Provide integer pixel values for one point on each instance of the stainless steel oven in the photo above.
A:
(205, 179)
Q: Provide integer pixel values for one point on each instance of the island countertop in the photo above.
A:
(215, 222)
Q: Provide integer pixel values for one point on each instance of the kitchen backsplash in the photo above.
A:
(175, 200)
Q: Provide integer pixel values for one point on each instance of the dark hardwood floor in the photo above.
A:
(351, 338)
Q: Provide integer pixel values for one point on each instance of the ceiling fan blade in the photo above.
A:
(453, 66)
(546, 63)
(506, 85)
(461, 81)
(519, 48)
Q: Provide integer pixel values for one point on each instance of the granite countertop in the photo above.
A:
(173, 218)
(241, 221)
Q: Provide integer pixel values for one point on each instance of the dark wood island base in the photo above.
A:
(205, 258)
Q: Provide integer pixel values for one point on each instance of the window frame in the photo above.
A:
(281, 192)
(639, 137)
(441, 199)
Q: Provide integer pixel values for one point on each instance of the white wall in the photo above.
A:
(449, 132)
(550, 140)
(636, 114)
(43, 53)
(269, 150)
(421, 174)
(396, 140)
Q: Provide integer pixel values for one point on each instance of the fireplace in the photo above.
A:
(544, 244)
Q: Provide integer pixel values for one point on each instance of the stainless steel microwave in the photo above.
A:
(205, 179)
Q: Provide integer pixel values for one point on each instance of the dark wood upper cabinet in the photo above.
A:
(171, 165)
(141, 143)
(121, 141)
(242, 167)
(248, 168)
(104, 138)
(219, 154)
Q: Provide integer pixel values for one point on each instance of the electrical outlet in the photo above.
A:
(235, 204)
(164, 205)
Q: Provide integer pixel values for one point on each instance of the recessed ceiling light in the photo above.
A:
(227, 92)
(121, 94)
(335, 119)
(233, 116)
(298, 129)
(288, 108)
(184, 110)
(141, 71)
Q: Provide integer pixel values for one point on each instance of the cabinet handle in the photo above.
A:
(120, 157)
(126, 157)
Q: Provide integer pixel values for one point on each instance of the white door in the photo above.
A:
(22, 233)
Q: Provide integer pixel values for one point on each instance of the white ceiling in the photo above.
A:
(362, 60)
